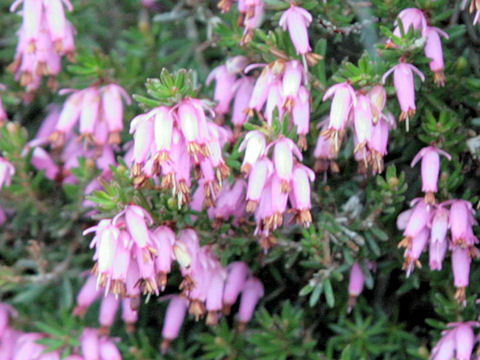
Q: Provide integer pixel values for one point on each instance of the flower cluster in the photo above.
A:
(281, 87)
(272, 182)
(58, 165)
(426, 224)
(171, 141)
(132, 258)
(238, 281)
(45, 36)
(16, 345)
(364, 112)
(98, 112)
(457, 342)
(403, 79)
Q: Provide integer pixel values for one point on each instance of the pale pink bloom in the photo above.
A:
(262, 85)
(108, 310)
(445, 348)
(164, 239)
(174, 317)
(214, 299)
(274, 101)
(283, 156)
(418, 220)
(377, 144)
(252, 21)
(378, 97)
(9, 346)
(430, 156)
(70, 112)
(244, 88)
(254, 145)
(464, 341)
(461, 271)
(437, 252)
(236, 64)
(224, 87)
(343, 99)
(90, 344)
(87, 295)
(231, 200)
(405, 87)
(410, 18)
(236, 278)
(461, 221)
(355, 284)
(108, 350)
(251, 294)
(137, 220)
(363, 122)
(90, 114)
(291, 82)
(301, 111)
(7, 170)
(412, 253)
(300, 196)
(27, 347)
(403, 218)
(163, 128)
(257, 179)
(41, 160)
(129, 315)
(297, 20)
(434, 51)
(438, 237)
(112, 107)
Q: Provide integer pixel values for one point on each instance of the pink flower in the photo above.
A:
(236, 279)
(254, 145)
(256, 182)
(355, 285)
(301, 116)
(108, 310)
(438, 237)
(174, 316)
(300, 194)
(363, 122)
(411, 18)
(434, 51)
(7, 170)
(417, 221)
(90, 344)
(461, 271)
(283, 154)
(412, 254)
(405, 87)
(291, 82)
(251, 294)
(464, 341)
(377, 144)
(343, 99)
(108, 350)
(42, 161)
(430, 156)
(113, 110)
(243, 91)
(87, 295)
(297, 20)
(461, 221)
(224, 87)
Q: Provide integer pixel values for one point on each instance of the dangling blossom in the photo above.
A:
(405, 87)
(344, 98)
(296, 19)
(457, 342)
(434, 51)
(430, 157)
(410, 18)
(44, 37)
(7, 170)
(177, 308)
(355, 284)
